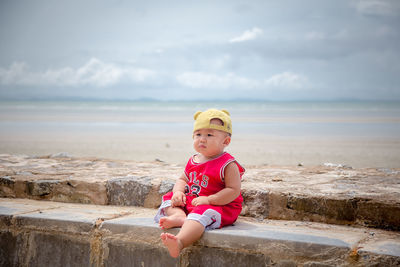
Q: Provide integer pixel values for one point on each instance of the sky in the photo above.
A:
(200, 50)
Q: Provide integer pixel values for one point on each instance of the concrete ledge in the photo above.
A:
(335, 194)
(37, 233)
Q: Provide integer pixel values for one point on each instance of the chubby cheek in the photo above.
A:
(196, 144)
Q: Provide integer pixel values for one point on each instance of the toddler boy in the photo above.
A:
(207, 195)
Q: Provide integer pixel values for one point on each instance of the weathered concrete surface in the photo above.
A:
(39, 233)
(42, 233)
(329, 194)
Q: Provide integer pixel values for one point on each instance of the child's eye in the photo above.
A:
(209, 135)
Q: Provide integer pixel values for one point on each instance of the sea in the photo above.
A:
(355, 133)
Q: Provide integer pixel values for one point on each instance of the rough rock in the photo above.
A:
(132, 191)
(331, 194)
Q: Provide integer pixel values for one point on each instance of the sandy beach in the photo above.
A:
(354, 135)
(249, 150)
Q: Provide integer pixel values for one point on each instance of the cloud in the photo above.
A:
(247, 35)
(378, 7)
(287, 80)
(201, 80)
(94, 73)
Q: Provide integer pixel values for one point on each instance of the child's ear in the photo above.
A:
(227, 140)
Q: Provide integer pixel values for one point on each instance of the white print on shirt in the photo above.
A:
(195, 188)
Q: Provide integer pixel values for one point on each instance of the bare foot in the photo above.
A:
(171, 221)
(172, 243)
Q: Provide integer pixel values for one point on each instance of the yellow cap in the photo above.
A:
(202, 120)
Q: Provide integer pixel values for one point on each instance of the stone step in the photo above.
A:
(44, 233)
(331, 194)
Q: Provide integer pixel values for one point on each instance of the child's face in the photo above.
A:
(210, 142)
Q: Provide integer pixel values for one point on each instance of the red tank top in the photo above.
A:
(207, 178)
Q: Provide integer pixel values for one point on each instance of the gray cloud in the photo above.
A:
(134, 49)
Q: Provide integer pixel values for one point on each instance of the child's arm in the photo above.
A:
(226, 195)
(178, 197)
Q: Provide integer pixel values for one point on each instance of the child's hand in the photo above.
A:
(178, 199)
(200, 201)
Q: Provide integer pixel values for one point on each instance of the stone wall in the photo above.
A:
(333, 194)
(37, 233)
